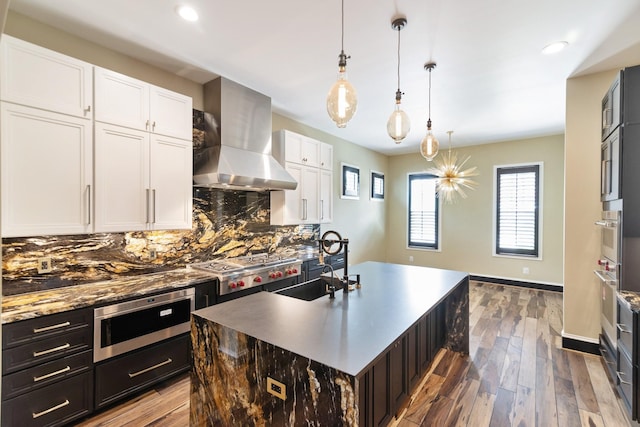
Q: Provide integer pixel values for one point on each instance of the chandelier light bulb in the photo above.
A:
(429, 146)
(342, 99)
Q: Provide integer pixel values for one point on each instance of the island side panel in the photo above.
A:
(229, 383)
(457, 319)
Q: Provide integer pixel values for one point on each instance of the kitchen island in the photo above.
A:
(270, 359)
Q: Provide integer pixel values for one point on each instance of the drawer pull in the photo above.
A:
(52, 374)
(50, 328)
(619, 375)
(47, 411)
(623, 328)
(51, 350)
(151, 368)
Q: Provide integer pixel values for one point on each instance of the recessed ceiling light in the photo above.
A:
(554, 47)
(187, 13)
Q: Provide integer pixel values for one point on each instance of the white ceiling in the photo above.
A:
(491, 82)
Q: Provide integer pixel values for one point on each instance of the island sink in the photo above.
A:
(311, 290)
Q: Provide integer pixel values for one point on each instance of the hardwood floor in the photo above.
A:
(516, 374)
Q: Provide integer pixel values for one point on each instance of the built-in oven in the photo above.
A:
(610, 169)
(608, 273)
(129, 325)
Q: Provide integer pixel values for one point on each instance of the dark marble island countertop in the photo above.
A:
(35, 304)
(632, 299)
(350, 331)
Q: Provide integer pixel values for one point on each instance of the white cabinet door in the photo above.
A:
(292, 143)
(46, 172)
(310, 150)
(286, 206)
(121, 179)
(326, 156)
(171, 113)
(37, 77)
(326, 196)
(121, 100)
(171, 178)
(310, 195)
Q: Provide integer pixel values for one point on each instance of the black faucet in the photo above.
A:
(332, 287)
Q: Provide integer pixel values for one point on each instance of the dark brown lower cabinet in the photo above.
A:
(53, 405)
(386, 386)
(122, 376)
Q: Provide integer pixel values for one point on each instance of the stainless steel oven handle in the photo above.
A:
(623, 328)
(150, 368)
(619, 375)
(48, 411)
(604, 279)
(607, 224)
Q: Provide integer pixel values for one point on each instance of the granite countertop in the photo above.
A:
(350, 331)
(632, 299)
(35, 304)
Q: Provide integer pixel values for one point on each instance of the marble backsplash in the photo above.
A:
(225, 224)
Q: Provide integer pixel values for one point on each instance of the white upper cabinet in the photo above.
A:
(37, 77)
(326, 156)
(310, 202)
(129, 102)
(46, 172)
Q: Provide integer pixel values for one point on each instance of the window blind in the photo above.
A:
(423, 211)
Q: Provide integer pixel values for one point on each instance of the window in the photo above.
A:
(423, 211)
(517, 210)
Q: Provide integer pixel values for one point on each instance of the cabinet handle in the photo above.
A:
(153, 193)
(206, 300)
(51, 350)
(146, 125)
(619, 375)
(47, 411)
(623, 328)
(321, 209)
(151, 368)
(52, 374)
(148, 208)
(304, 209)
(88, 204)
(153, 126)
(50, 328)
(88, 109)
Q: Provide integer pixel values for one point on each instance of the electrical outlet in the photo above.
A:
(410, 258)
(276, 388)
(525, 270)
(44, 265)
(153, 254)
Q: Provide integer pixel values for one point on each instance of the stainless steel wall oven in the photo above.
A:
(608, 273)
(130, 325)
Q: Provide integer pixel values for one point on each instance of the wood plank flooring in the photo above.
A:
(516, 374)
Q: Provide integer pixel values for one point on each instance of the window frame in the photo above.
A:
(438, 243)
(536, 253)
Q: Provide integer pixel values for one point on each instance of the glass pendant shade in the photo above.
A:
(342, 100)
(429, 146)
(398, 125)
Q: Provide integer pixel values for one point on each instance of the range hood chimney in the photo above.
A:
(237, 149)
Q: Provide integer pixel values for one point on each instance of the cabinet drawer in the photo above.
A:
(53, 405)
(45, 350)
(625, 378)
(45, 374)
(625, 328)
(127, 374)
(18, 333)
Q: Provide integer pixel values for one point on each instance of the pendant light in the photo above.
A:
(398, 124)
(342, 99)
(429, 145)
(452, 179)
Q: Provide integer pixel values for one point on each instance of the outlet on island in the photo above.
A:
(276, 388)
(153, 254)
(44, 265)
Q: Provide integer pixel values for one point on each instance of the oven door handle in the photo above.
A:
(607, 224)
(604, 279)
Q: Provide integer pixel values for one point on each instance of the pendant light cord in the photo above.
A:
(399, 28)
(429, 120)
(342, 41)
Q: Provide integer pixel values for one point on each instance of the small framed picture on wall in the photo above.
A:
(350, 178)
(377, 186)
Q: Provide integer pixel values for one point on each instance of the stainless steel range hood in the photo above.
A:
(237, 150)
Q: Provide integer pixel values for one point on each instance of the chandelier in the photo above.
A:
(452, 179)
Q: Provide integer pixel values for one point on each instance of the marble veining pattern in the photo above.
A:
(30, 305)
(225, 224)
(457, 319)
(632, 299)
(229, 375)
